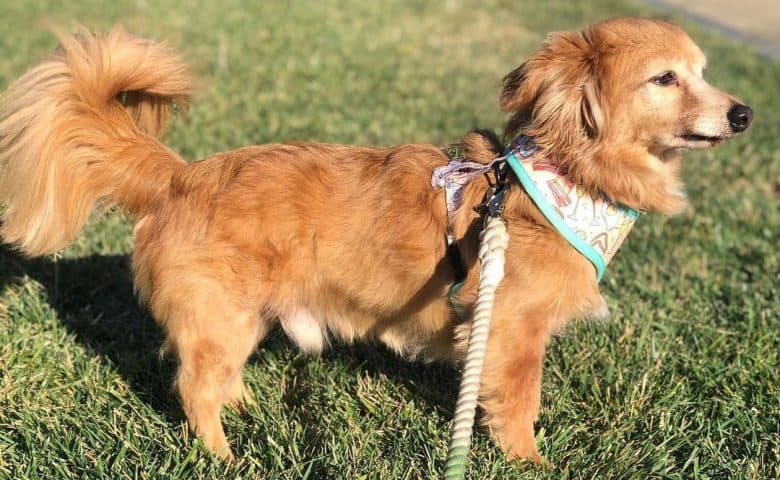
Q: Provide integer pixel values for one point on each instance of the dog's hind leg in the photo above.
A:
(235, 395)
(213, 338)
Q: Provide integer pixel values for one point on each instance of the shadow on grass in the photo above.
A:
(93, 297)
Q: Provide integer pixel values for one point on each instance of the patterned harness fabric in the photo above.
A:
(453, 177)
(592, 224)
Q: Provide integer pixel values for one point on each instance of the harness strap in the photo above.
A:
(453, 178)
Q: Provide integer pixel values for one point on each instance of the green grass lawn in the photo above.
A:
(683, 381)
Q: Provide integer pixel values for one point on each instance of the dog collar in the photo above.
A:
(593, 225)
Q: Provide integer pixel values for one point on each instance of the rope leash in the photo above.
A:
(493, 243)
(590, 222)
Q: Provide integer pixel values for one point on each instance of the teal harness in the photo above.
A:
(592, 225)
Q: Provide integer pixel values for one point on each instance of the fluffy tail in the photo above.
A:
(80, 128)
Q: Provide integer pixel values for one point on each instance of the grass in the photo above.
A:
(682, 382)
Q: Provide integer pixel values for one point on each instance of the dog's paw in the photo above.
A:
(226, 454)
(529, 455)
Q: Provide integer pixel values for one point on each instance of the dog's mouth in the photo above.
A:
(696, 138)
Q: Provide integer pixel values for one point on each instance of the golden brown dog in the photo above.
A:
(341, 241)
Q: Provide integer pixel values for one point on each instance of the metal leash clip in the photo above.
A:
(494, 198)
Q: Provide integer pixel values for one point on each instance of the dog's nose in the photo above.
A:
(739, 117)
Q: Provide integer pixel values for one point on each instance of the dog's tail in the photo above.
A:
(80, 128)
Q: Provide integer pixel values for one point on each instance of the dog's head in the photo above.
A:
(614, 102)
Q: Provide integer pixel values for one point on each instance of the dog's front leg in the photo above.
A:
(512, 383)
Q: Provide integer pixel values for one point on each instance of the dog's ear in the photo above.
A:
(555, 95)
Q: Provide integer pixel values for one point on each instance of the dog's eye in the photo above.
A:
(665, 79)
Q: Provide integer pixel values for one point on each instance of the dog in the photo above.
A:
(347, 242)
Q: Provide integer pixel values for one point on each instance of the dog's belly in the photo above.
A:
(426, 332)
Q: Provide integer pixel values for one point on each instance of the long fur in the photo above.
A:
(340, 241)
(67, 143)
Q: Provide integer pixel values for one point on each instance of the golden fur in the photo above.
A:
(344, 241)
